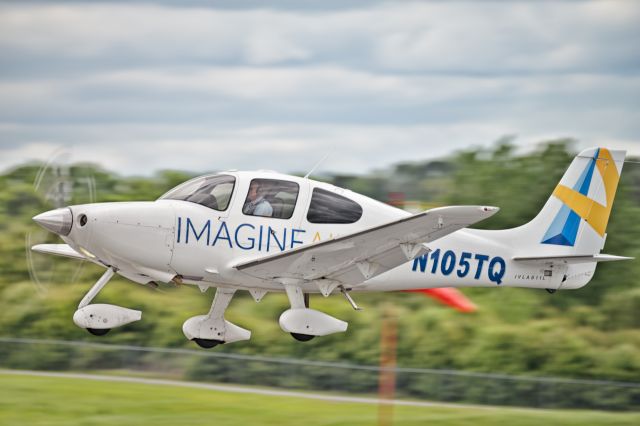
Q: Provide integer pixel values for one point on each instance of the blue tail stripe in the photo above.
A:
(558, 240)
(584, 182)
(558, 223)
(564, 228)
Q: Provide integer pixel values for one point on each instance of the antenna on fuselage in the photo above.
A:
(316, 166)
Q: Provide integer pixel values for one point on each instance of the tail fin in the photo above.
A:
(574, 219)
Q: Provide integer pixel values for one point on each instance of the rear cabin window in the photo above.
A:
(328, 207)
(209, 191)
(271, 198)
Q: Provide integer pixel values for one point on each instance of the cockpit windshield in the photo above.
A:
(210, 191)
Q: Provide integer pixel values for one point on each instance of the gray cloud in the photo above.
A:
(146, 86)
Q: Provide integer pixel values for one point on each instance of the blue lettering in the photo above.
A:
(434, 258)
(293, 237)
(496, 269)
(496, 276)
(421, 261)
(481, 258)
(272, 233)
(464, 263)
(207, 227)
(448, 262)
(245, 239)
(219, 236)
(251, 239)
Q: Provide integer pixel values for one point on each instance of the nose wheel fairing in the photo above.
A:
(99, 318)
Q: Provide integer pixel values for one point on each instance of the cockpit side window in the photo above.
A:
(328, 207)
(271, 198)
(213, 192)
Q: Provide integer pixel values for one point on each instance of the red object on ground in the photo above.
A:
(387, 374)
(448, 296)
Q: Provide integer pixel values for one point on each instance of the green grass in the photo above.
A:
(29, 400)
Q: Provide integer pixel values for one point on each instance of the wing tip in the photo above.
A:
(40, 248)
(63, 250)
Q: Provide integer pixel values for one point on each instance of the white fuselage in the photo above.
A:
(165, 239)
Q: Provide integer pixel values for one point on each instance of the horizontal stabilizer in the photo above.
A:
(571, 259)
(59, 250)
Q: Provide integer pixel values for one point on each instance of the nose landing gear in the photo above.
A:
(99, 318)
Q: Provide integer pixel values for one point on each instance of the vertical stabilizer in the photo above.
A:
(574, 218)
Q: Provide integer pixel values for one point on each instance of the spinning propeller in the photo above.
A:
(59, 185)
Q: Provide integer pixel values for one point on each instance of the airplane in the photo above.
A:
(263, 231)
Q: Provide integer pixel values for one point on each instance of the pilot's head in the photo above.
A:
(256, 190)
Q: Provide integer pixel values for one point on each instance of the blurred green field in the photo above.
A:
(29, 400)
(593, 333)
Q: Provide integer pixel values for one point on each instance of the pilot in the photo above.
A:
(256, 204)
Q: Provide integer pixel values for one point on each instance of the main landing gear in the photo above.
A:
(302, 322)
(210, 330)
(299, 336)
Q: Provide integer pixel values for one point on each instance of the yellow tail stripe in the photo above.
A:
(594, 213)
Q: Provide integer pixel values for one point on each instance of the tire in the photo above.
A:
(207, 343)
(302, 337)
(98, 331)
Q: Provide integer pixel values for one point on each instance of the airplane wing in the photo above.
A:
(354, 258)
(59, 250)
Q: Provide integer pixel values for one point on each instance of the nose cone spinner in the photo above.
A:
(58, 221)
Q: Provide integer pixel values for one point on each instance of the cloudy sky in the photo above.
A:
(202, 85)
